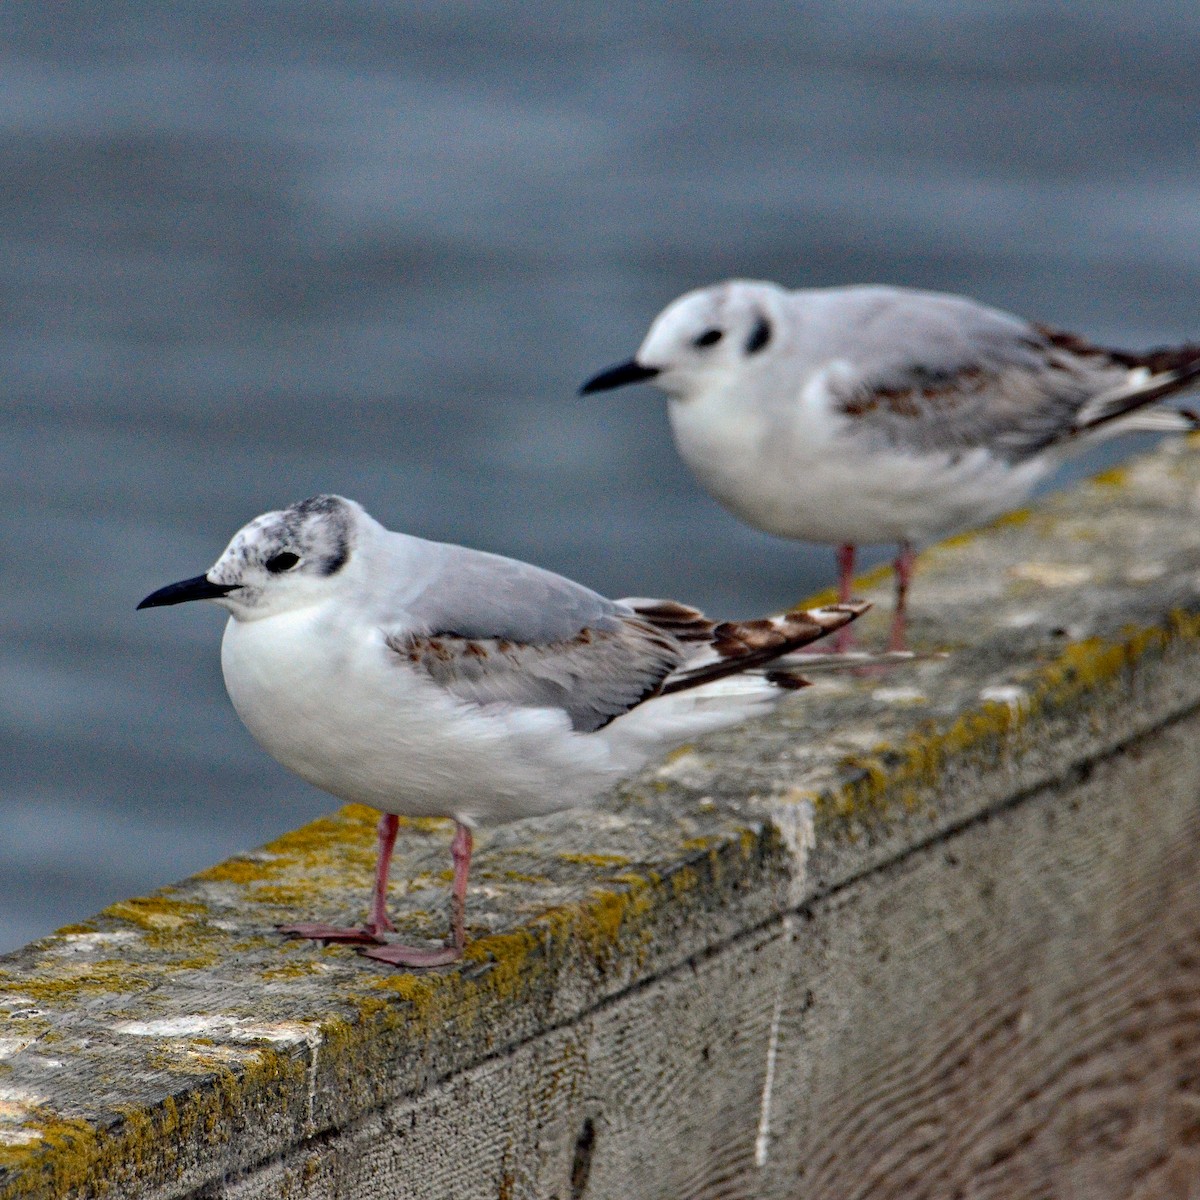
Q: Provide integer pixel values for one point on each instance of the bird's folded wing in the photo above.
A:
(593, 676)
(492, 630)
(941, 378)
(477, 595)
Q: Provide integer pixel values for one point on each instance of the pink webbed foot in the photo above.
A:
(413, 956)
(396, 955)
(332, 933)
(380, 923)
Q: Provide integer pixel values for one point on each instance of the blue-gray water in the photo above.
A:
(251, 252)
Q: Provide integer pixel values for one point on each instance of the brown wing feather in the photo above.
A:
(599, 674)
(680, 621)
(594, 676)
(1016, 402)
(739, 646)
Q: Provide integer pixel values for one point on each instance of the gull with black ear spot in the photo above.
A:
(430, 680)
(883, 414)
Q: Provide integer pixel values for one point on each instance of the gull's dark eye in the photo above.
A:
(281, 562)
(710, 337)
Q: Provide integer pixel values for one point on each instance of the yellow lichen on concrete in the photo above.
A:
(523, 877)
(61, 1159)
(875, 577)
(76, 927)
(1114, 477)
(596, 860)
(244, 870)
(299, 969)
(72, 1155)
(1009, 520)
(610, 914)
(336, 846)
(68, 981)
(506, 968)
(328, 844)
(293, 895)
(155, 913)
(916, 765)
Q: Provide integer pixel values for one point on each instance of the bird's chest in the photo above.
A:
(298, 685)
(338, 709)
(749, 455)
(283, 668)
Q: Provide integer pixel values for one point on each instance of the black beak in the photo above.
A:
(618, 376)
(187, 589)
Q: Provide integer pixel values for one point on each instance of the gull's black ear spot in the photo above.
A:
(760, 335)
(710, 337)
(285, 560)
(338, 559)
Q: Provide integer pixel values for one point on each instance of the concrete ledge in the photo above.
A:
(933, 931)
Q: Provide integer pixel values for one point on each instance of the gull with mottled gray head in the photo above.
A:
(425, 679)
(882, 414)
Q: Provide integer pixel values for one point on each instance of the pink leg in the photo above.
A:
(389, 824)
(374, 929)
(843, 640)
(452, 951)
(905, 561)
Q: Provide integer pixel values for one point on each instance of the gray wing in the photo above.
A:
(934, 373)
(659, 647)
(594, 676)
(473, 594)
(496, 630)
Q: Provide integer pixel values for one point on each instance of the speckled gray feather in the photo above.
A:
(928, 372)
(655, 646)
(593, 676)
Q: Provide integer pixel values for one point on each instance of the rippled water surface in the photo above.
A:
(251, 252)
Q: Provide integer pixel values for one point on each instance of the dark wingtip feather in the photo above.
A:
(787, 680)
(751, 645)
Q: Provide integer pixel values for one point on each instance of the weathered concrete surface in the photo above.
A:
(931, 934)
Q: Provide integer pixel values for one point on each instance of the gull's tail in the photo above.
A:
(1153, 376)
(732, 670)
(721, 649)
